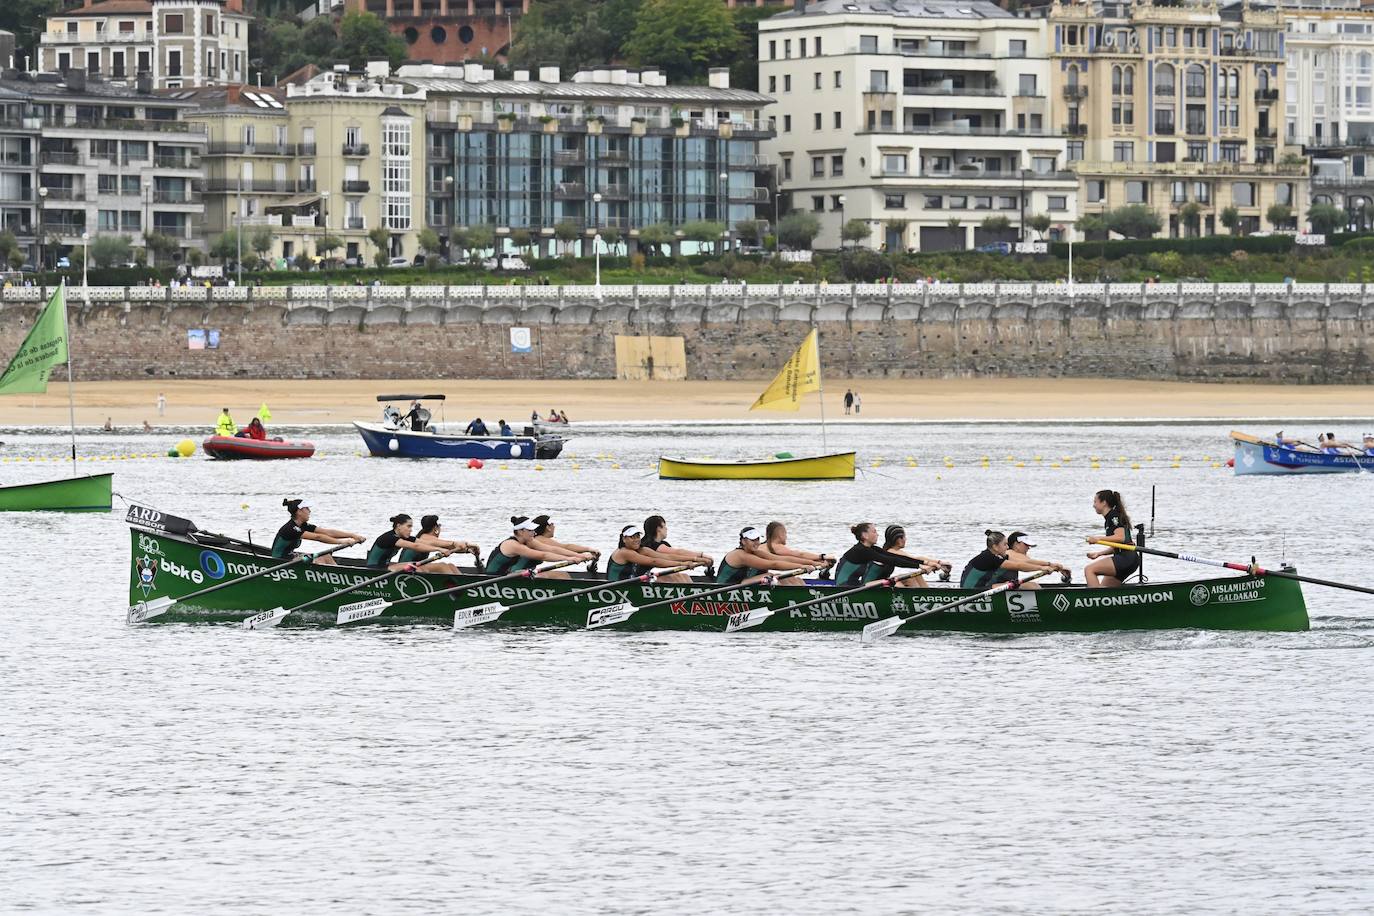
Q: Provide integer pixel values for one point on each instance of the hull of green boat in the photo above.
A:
(165, 565)
(70, 494)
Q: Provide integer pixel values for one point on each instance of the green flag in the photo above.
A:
(44, 347)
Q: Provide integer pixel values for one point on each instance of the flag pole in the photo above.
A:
(71, 396)
(820, 385)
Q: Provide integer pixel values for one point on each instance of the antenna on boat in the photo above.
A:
(1152, 510)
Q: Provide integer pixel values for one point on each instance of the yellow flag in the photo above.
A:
(801, 374)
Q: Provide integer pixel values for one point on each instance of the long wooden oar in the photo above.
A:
(373, 607)
(147, 610)
(486, 613)
(877, 630)
(755, 616)
(1250, 568)
(268, 619)
(611, 614)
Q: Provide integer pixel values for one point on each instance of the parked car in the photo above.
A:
(398, 262)
(64, 263)
(506, 262)
(995, 248)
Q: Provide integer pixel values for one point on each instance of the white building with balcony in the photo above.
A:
(174, 43)
(923, 118)
(1329, 100)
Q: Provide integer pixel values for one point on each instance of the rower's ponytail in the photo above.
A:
(292, 505)
(400, 519)
(994, 537)
(429, 523)
(859, 529)
(1113, 499)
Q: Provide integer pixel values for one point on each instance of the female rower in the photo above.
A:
(865, 562)
(1111, 567)
(518, 552)
(543, 540)
(736, 565)
(429, 538)
(385, 546)
(895, 541)
(630, 559)
(775, 545)
(655, 544)
(998, 563)
(298, 528)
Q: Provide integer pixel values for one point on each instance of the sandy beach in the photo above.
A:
(192, 403)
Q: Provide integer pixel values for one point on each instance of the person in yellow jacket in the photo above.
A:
(264, 414)
(225, 425)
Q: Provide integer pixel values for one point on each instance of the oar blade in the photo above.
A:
(877, 630)
(474, 616)
(266, 620)
(147, 610)
(610, 615)
(745, 620)
(361, 610)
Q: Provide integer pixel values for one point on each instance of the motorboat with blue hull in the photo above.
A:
(1259, 456)
(415, 435)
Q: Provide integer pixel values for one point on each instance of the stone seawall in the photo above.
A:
(1240, 332)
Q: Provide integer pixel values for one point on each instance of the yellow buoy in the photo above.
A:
(1135, 467)
(186, 448)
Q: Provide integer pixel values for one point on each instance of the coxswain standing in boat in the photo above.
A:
(999, 563)
(865, 561)
(655, 544)
(388, 543)
(544, 540)
(1111, 567)
(517, 552)
(736, 565)
(629, 559)
(429, 539)
(895, 541)
(298, 528)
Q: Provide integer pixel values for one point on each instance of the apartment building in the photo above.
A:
(923, 118)
(176, 43)
(608, 149)
(1329, 100)
(1176, 103)
(109, 161)
(19, 135)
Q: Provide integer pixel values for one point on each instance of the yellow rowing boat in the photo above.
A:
(820, 467)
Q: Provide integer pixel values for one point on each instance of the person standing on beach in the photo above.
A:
(161, 403)
(858, 402)
(848, 401)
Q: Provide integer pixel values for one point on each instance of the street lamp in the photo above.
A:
(42, 253)
(452, 212)
(841, 200)
(596, 232)
(238, 233)
(724, 211)
(85, 264)
(147, 216)
(596, 247)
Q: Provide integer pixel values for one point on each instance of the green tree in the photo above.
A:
(326, 245)
(1278, 215)
(109, 250)
(365, 37)
(381, 240)
(480, 239)
(8, 244)
(610, 236)
(704, 232)
(750, 229)
(798, 230)
(996, 223)
(1191, 214)
(744, 69)
(522, 239)
(566, 232)
(1135, 221)
(854, 230)
(1325, 218)
(1230, 218)
(1040, 223)
(684, 37)
(163, 247)
(657, 235)
(261, 241)
(572, 33)
(225, 247)
(428, 240)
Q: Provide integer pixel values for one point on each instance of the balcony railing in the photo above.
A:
(60, 157)
(258, 149)
(356, 150)
(1267, 95)
(307, 221)
(568, 156)
(756, 195)
(166, 161)
(1075, 91)
(947, 90)
(72, 193)
(570, 189)
(1266, 133)
(57, 227)
(1076, 130)
(356, 187)
(355, 222)
(1195, 92)
(167, 196)
(258, 186)
(953, 130)
(923, 51)
(613, 155)
(1164, 130)
(1166, 91)
(124, 124)
(174, 231)
(615, 191)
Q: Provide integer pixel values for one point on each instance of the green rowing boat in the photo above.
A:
(91, 493)
(171, 559)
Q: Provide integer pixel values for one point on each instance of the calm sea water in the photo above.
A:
(178, 769)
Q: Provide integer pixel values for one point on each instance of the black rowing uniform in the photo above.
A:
(865, 564)
(1125, 562)
(288, 539)
(985, 571)
(384, 548)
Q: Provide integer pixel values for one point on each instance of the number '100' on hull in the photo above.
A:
(171, 565)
